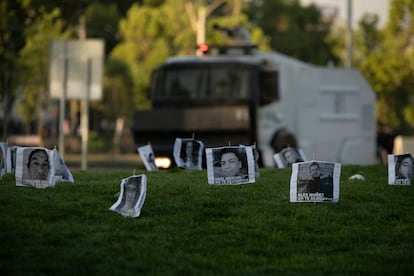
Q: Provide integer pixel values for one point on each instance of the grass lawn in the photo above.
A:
(188, 227)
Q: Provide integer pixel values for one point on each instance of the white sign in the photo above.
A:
(62, 173)
(77, 67)
(131, 197)
(231, 165)
(3, 157)
(188, 153)
(35, 167)
(147, 156)
(315, 181)
(400, 169)
(286, 157)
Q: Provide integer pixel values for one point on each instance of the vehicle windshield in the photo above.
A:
(213, 81)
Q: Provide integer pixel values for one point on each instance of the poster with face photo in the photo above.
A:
(62, 173)
(147, 156)
(11, 159)
(315, 181)
(286, 157)
(400, 169)
(3, 158)
(35, 167)
(188, 153)
(230, 165)
(131, 197)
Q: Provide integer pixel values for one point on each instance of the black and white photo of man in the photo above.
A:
(286, 157)
(315, 181)
(38, 164)
(132, 196)
(230, 165)
(35, 167)
(188, 153)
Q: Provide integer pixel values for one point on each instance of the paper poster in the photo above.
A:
(35, 167)
(400, 169)
(62, 173)
(3, 158)
(231, 165)
(188, 153)
(11, 159)
(147, 156)
(132, 196)
(286, 157)
(315, 181)
(256, 159)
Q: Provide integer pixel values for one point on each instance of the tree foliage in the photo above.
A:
(294, 30)
(388, 64)
(102, 22)
(149, 36)
(140, 35)
(14, 18)
(34, 65)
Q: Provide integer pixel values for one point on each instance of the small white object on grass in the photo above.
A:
(357, 177)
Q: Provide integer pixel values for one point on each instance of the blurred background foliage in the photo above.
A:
(140, 35)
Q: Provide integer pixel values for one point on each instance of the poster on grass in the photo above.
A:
(400, 169)
(35, 167)
(62, 173)
(315, 181)
(3, 158)
(147, 156)
(188, 153)
(287, 156)
(11, 159)
(132, 195)
(232, 165)
(255, 158)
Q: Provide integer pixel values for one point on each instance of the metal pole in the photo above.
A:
(85, 117)
(349, 39)
(62, 109)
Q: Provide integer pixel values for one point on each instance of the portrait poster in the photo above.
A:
(230, 165)
(11, 159)
(400, 169)
(35, 167)
(62, 173)
(315, 181)
(256, 159)
(3, 158)
(287, 156)
(132, 195)
(188, 153)
(147, 156)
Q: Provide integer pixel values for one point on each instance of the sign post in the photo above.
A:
(75, 72)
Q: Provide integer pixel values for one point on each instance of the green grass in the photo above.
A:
(188, 227)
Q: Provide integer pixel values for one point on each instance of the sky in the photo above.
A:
(359, 7)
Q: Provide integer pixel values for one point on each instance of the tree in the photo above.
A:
(118, 92)
(102, 22)
(13, 19)
(198, 19)
(389, 67)
(34, 64)
(149, 36)
(294, 30)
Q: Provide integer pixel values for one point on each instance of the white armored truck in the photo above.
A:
(239, 95)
